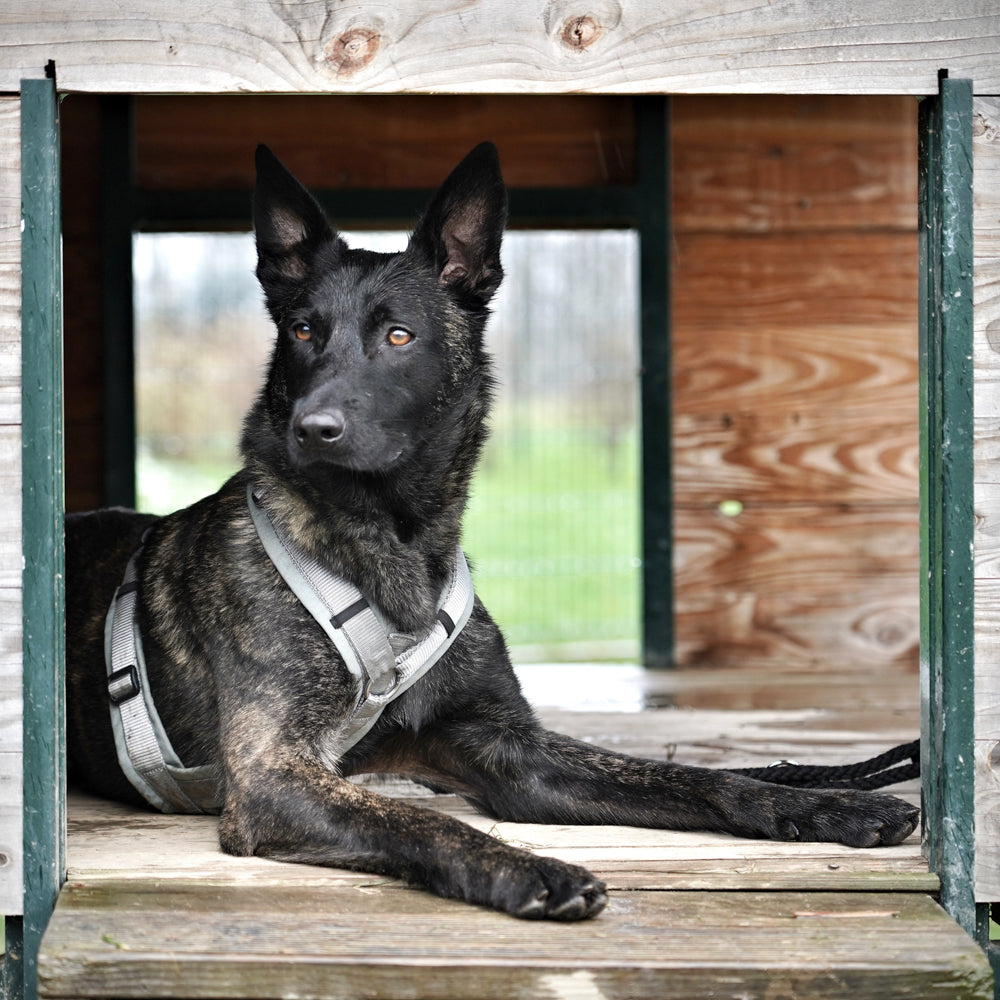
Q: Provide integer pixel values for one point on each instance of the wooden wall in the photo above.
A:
(10, 507)
(986, 358)
(795, 386)
(794, 311)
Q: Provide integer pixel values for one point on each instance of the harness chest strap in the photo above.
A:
(384, 663)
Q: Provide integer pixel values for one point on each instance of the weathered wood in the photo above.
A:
(10, 262)
(11, 854)
(111, 842)
(11, 851)
(986, 360)
(808, 586)
(742, 164)
(500, 46)
(128, 939)
(44, 740)
(144, 886)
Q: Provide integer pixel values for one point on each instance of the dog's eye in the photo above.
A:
(302, 331)
(399, 337)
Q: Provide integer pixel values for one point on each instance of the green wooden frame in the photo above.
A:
(44, 820)
(947, 640)
(947, 633)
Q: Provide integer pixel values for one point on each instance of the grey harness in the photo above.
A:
(384, 663)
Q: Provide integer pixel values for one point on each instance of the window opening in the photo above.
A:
(553, 521)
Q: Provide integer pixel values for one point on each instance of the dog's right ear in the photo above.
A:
(288, 222)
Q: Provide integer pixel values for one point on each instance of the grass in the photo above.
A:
(552, 533)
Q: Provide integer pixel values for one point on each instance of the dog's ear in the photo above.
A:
(461, 231)
(288, 222)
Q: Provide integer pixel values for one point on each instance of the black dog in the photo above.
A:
(359, 450)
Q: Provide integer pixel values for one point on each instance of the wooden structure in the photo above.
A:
(611, 48)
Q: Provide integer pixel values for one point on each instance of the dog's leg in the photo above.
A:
(303, 813)
(525, 774)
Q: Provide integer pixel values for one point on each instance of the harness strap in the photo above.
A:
(142, 744)
(384, 663)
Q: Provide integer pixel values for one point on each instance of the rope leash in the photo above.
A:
(885, 769)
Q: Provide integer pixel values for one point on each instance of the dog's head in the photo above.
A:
(376, 354)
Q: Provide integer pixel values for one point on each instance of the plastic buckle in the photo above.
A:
(123, 684)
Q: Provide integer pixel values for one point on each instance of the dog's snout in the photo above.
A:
(319, 428)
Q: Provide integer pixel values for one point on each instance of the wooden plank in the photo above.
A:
(11, 850)
(112, 842)
(813, 278)
(500, 46)
(382, 142)
(809, 586)
(131, 939)
(755, 165)
(804, 412)
(987, 866)
(986, 361)
(44, 737)
(11, 853)
(947, 630)
(10, 262)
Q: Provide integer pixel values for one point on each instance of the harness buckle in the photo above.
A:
(123, 684)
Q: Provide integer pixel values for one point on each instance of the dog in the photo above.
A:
(359, 452)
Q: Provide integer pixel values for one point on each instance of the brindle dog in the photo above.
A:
(363, 439)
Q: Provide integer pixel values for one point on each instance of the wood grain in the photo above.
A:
(144, 938)
(741, 164)
(11, 849)
(804, 412)
(511, 46)
(10, 261)
(804, 586)
(835, 278)
(986, 361)
(382, 141)
(11, 853)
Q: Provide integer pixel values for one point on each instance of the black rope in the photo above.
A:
(885, 769)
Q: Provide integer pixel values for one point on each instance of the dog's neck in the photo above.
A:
(393, 534)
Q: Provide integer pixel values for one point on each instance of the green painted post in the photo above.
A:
(946, 483)
(653, 182)
(117, 186)
(42, 518)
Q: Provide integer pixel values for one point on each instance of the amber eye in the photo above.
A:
(302, 331)
(399, 337)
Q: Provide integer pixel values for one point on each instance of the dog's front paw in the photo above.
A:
(547, 889)
(856, 819)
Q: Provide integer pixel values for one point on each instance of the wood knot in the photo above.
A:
(579, 33)
(352, 51)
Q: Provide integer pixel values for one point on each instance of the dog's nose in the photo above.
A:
(319, 429)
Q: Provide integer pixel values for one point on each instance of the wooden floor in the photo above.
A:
(152, 908)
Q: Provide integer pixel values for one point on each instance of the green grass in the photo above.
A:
(551, 531)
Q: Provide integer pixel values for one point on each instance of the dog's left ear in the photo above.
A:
(461, 231)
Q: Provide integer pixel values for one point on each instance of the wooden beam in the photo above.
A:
(500, 46)
(42, 518)
(946, 479)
